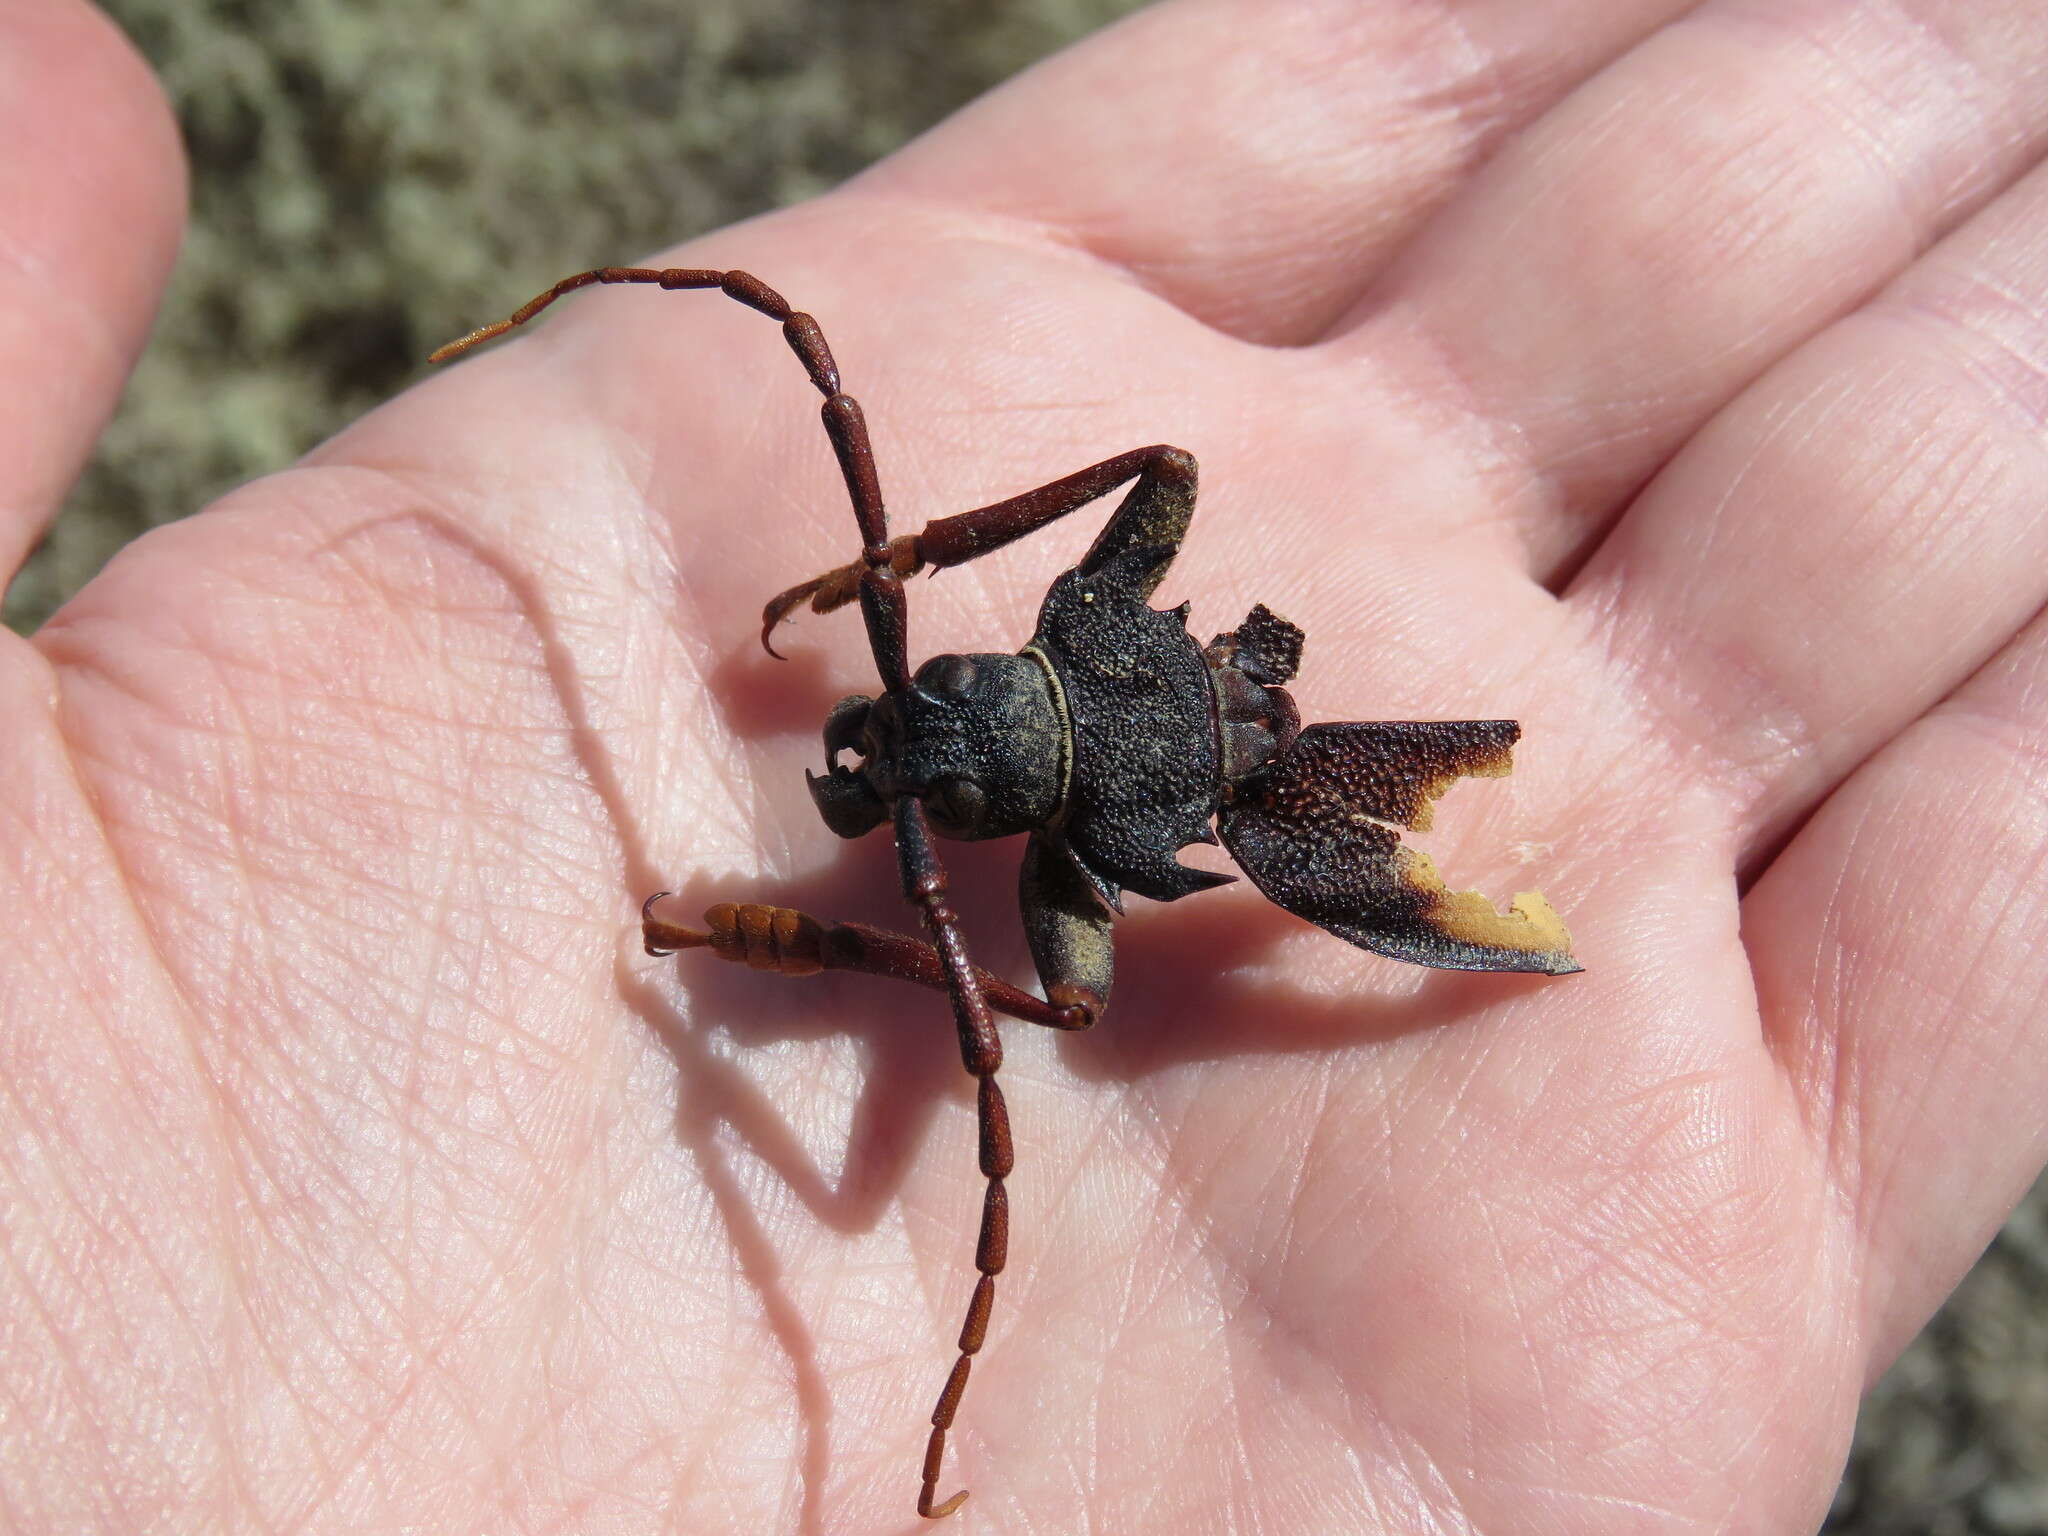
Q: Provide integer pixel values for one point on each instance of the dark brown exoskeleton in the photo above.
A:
(1113, 740)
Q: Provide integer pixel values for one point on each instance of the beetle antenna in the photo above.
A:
(880, 586)
(981, 1052)
(801, 330)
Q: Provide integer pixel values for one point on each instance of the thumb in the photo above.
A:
(92, 202)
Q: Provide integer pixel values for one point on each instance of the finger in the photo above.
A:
(1897, 944)
(1853, 537)
(1256, 163)
(1687, 217)
(92, 202)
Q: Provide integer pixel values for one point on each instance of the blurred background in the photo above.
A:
(371, 177)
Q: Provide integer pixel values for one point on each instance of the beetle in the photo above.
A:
(1111, 740)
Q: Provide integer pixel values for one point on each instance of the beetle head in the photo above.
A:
(977, 738)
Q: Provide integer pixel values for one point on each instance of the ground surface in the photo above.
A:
(371, 177)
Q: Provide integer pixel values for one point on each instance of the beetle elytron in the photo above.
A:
(1114, 741)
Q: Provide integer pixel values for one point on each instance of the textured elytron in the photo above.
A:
(1317, 831)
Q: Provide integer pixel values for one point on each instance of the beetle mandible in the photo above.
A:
(1113, 740)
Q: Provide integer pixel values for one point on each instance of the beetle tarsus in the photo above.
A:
(930, 1511)
(659, 938)
(780, 607)
(836, 588)
(1079, 1006)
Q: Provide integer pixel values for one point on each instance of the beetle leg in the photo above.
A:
(836, 588)
(1067, 927)
(1154, 515)
(793, 943)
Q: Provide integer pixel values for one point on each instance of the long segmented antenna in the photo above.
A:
(924, 877)
(981, 1053)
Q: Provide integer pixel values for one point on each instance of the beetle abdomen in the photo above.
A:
(1256, 720)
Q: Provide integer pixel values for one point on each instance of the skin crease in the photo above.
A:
(1665, 377)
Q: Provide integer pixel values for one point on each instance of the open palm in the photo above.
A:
(361, 1173)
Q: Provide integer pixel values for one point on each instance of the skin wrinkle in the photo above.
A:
(87, 803)
(1229, 1284)
(334, 1298)
(71, 1369)
(1871, 105)
(1841, 1116)
(1999, 729)
(1677, 1250)
(23, 835)
(1240, 1497)
(1679, 1299)
(472, 1417)
(1957, 203)
(99, 1228)
(1476, 100)
(108, 1025)
(1448, 1127)
(1132, 1330)
(1080, 1155)
(184, 1006)
(1293, 1178)
(1604, 1263)
(1480, 77)
(235, 859)
(1289, 1177)
(748, 813)
(283, 1373)
(1546, 1409)
(322, 1468)
(92, 329)
(1653, 1364)
(1922, 24)
(1918, 215)
(1526, 492)
(444, 517)
(1812, 746)
(1872, 1179)
(1946, 321)
(1673, 712)
(703, 1077)
(1478, 96)
(1250, 1291)
(1787, 1387)
(1283, 1189)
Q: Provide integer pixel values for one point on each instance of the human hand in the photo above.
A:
(361, 1172)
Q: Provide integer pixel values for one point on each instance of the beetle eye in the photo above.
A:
(946, 677)
(957, 804)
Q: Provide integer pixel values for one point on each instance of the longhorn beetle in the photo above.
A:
(1114, 740)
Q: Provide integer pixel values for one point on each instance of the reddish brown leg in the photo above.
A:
(793, 943)
(1156, 513)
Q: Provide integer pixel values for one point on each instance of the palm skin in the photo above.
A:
(362, 1174)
